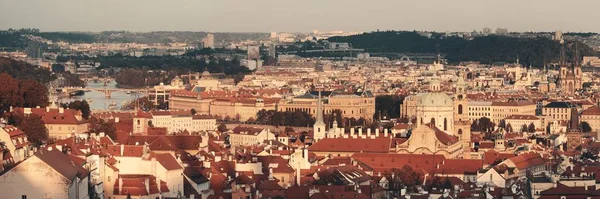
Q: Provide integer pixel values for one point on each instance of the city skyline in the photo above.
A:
(276, 16)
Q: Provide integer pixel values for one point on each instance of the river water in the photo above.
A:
(98, 100)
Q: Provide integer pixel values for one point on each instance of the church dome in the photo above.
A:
(435, 99)
(206, 75)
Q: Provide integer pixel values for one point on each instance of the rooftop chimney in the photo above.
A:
(61, 110)
(120, 185)
(360, 133)
(352, 133)
(122, 149)
(47, 109)
(377, 132)
(385, 132)
(369, 132)
(147, 183)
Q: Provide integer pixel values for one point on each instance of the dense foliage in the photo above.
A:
(388, 106)
(98, 125)
(24, 71)
(279, 118)
(32, 125)
(82, 106)
(21, 93)
(486, 49)
(140, 72)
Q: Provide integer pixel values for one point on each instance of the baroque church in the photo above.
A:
(442, 128)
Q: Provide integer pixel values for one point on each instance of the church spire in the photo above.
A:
(319, 119)
(319, 127)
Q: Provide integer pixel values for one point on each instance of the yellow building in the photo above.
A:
(592, 117)
(501, 110)
(560, 111)
(352, 105)
(60, 123)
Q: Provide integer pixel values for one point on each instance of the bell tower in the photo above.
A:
(319, 127)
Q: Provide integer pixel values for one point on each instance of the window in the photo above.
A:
(460, 109)
(23, 196)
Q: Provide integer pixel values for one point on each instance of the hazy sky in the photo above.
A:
(300, 15)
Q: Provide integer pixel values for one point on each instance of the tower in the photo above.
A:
(462, 124)
(434, 84)
(499, 142)
(319, 126)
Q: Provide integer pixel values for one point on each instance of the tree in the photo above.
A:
(82, 106)
(35, 129)
(531, 128)
(222, 127)
(585, 127)
(509, 128)
(193, 111)
(98, 125)
(524, 128)
(34, 94)
(502, 124)
(9, 92)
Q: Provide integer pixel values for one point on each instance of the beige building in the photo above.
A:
(352, 105)
(517, 122)
(501, 110)
(60, 123)
(248, 136)
(161, 93)
(560, 111)
(591, 61)
(222, 103)
(16, 142)
(592, 117)
(173, 121)
(241, 109)
(49, 173)
(479, 109)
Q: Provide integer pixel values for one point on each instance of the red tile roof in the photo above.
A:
(54, 116)
(386, 162)
(591, 111)
(167, 161)
(522, 117)
(376, 145)
(135, 185)
(61, 163)
(527, 160)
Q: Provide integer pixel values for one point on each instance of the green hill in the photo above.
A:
(487, 49)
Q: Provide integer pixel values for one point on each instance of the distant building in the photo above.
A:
(558, 36)
(502, 31)
(253, 52)
(248, 136)
(161, 93)
(173, 121)
(591, 61)
(352, 105)
(209, 41)
(338, 46)
(487, 31)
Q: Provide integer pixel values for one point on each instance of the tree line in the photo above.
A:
(138, 70)
(486, 49)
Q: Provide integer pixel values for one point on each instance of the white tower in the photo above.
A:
(319, 127)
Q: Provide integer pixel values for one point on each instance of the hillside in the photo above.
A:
(486, 49)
